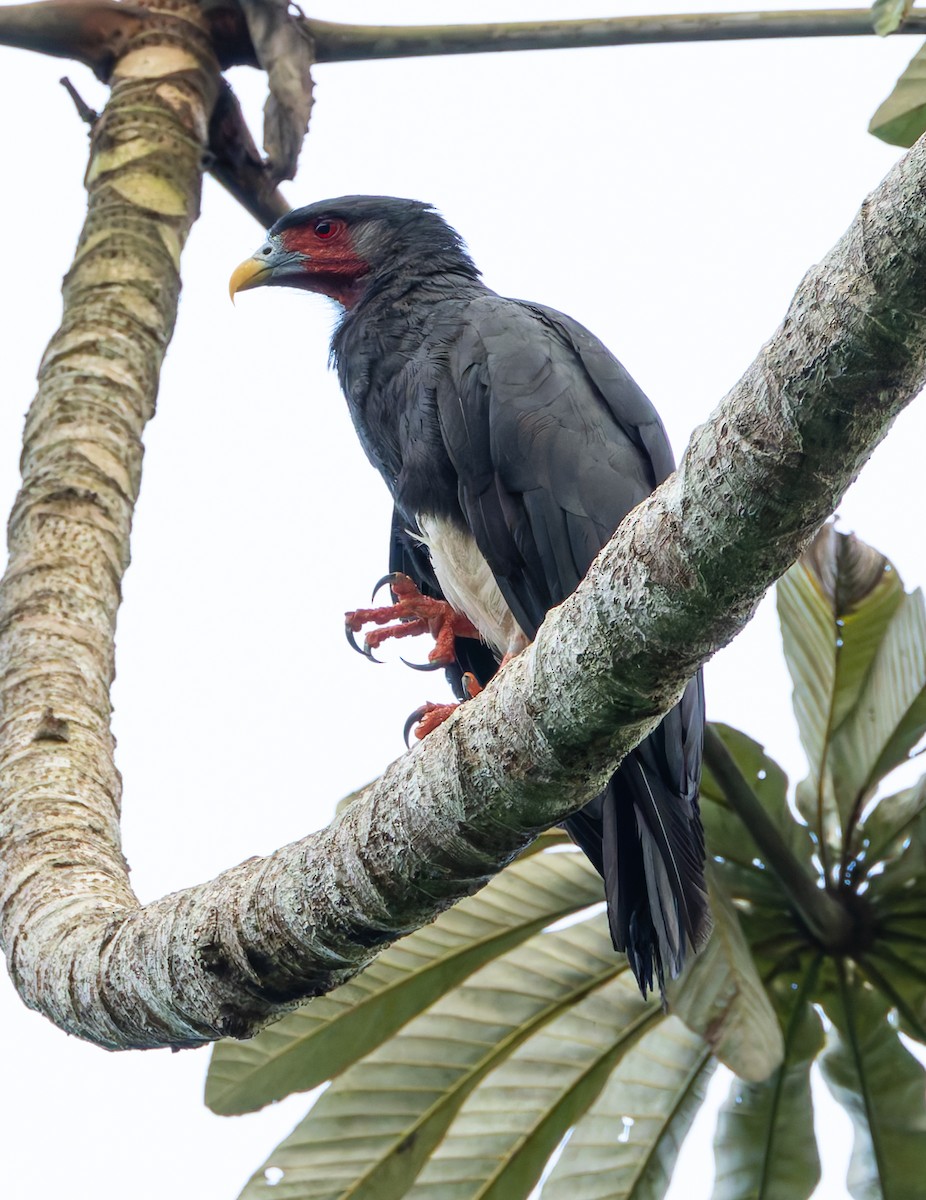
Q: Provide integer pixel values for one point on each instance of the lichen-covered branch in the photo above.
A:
(680, 578)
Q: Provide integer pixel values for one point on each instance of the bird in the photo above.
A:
(513, 444)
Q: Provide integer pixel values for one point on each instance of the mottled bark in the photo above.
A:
(679, 579)
(98, 34)
(69, 530)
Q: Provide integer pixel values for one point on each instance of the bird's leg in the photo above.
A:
(427, 718)
(414, 614)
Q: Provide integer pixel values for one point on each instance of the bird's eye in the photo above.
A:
(268, 249)
(326, 229)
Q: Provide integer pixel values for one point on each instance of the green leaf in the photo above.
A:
(834, 606)
(626, 1145)
(890, 717)
(765, 1148)
(322, 1038)
(889, 15)
(500, 1143)
(887, 827)
(721, 997)
(881, 1085)
(856, 648)
(900, 888)
(902, 117)
(370, 1133)
(895, 961)
(897, 969)
(840, 590)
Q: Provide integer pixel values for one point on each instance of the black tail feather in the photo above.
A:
(643, 834)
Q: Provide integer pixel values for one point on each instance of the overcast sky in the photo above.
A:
(669, 197)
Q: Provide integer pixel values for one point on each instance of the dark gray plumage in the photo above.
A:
(509, 423)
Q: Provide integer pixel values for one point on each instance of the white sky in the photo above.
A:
(669, 197)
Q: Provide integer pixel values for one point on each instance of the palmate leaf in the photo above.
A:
(765, 1148)
(370, 1133)
(507, 1130)
(901, 118)
(625, 1146)
(881, 1085)
(319, 1040)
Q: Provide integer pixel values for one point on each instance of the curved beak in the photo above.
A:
(249, 274)
(272, 264)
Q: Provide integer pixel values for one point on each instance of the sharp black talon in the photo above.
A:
(428, 666)
(413, 720)
(390, 578)
(366, 650)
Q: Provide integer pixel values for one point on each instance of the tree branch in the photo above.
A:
(351, 43)
(680, 578)
(94, 31)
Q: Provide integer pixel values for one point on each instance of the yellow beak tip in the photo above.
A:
(249, 274)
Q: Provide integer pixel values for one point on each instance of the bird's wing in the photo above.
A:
(553, 444)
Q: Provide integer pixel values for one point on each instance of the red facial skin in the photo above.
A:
(333, 266)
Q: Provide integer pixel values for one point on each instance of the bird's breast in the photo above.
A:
(469, 585)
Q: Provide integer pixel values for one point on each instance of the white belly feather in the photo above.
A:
(469, 585)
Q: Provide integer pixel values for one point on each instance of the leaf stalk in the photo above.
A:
(826, 919)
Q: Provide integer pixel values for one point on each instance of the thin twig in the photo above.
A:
(84, 111)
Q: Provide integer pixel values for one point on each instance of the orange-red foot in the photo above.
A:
(429, 716)
(415, 614)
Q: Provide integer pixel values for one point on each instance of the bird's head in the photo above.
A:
(343, 247)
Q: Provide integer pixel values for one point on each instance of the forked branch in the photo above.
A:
(679, 579)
